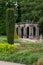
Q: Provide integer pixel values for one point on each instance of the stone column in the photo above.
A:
(25, 32)
(30, 32)
(19, 32)
(37, 32)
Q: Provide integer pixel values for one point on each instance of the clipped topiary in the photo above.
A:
(10, 25)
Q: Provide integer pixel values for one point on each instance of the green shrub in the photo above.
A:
(5, 48)
(32, 58)
(24, 57)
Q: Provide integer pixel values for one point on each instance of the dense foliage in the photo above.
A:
(10, 25)
(7, 48)
(30, 10)
(2, 18)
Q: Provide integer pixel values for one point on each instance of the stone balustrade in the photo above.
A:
(23, 32)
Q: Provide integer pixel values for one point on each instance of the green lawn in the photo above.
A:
(3, 39)
(25, 52)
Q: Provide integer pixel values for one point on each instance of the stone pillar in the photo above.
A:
(30, 32)
(37, 32)
(19, 32)
(25, 32)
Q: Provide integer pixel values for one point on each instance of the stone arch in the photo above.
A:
(27, 32)
(34, 31)
(21, 32)
(17, 30)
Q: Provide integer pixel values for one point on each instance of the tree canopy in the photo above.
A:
(30, 10)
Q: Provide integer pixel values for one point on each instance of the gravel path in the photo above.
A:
(9, 63)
